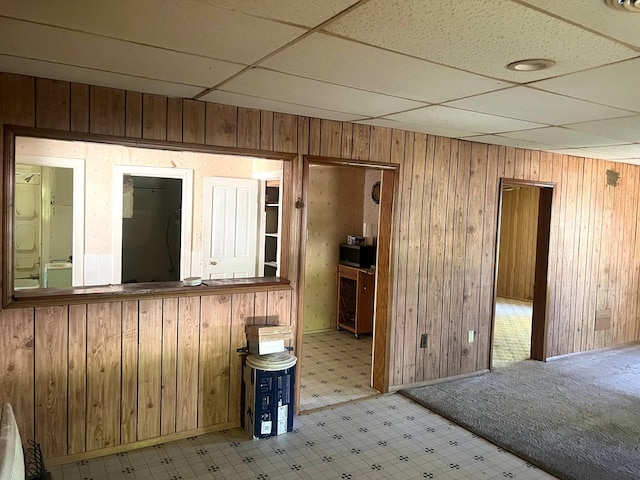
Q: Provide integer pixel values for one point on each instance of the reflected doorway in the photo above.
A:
(151, 227)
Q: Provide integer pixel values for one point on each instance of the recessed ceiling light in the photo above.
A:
(628, 5)
(531, 65)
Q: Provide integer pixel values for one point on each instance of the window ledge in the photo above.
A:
(133, 291)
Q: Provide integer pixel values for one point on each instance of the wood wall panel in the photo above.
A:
(489, 235)
(168, 384)
(215, 338)
(52, 104)
(400, 269)
(79, 107)
(154, 117)
(193, 121)
(106, 111)
(133, 116)
(174, 119)
(17, 367)
(248, 128)
(380, 148)
(266, 130)
(103, 374)
(453, 342)
(285, 138)
(473, 255)
(361, 139)
(416, 244)
(51, 360)
(518, 242)
(242, 314)
(432, 257)
(77, 380)
(188, 361)
(330, 138)
(149, 368)
(129, 396)
(442, 263)
(221, 123)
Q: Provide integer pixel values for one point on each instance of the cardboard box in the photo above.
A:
(268, 333)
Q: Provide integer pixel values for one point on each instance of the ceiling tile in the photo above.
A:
(228, 98)
(453, 118)
(624, 128)
(621, 151)
(587, 153)
(301, 91)
(562, 137)
(596, 16)
(509, 142)
(411, 127)
(325, 57)
(37, 42)
(309, 13)
(184, 26)
(537, 106)
(482, 37)
(600, 85)
(67, 73)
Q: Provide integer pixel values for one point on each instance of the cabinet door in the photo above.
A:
(366, 291)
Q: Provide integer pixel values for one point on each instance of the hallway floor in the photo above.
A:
(512, 335)
(336, 368)
(386, 437)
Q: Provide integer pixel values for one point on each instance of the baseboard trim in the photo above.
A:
(126, 447)
(396, 388)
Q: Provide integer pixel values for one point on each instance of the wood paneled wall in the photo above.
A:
(108, 374)
(518, 229)
(84, 377)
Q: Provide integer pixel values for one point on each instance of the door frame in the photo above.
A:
(382, 302)
(539, 322)
(186, 175)
(78, 168)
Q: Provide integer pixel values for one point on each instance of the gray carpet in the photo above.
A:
(576, 417)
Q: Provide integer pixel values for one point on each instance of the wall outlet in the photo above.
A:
(472, 334)
(423, 340)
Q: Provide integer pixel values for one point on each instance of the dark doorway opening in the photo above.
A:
(151, 229)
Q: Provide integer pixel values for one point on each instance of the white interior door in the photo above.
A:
(27, 221)
(230, 226)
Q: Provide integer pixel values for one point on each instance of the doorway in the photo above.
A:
(55, 198)
(519, 320)
(151, 226)
(178, 215)
(338, 355)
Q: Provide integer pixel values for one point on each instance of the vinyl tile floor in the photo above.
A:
(512, 335)
(336, 368)
(386, 437)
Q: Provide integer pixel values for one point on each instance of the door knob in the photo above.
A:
(212, 262)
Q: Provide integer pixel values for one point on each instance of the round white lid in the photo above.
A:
(272, 361)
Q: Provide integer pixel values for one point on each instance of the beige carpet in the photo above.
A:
(577, 417)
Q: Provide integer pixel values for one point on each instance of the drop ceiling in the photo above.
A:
(427, 66)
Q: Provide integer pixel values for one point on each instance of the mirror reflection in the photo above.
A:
(88, 213)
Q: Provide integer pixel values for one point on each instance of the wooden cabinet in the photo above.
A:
(356, 287)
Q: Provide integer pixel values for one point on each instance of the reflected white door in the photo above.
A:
(230, 226)
(27, 223)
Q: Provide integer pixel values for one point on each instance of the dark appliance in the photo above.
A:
(359, 256)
